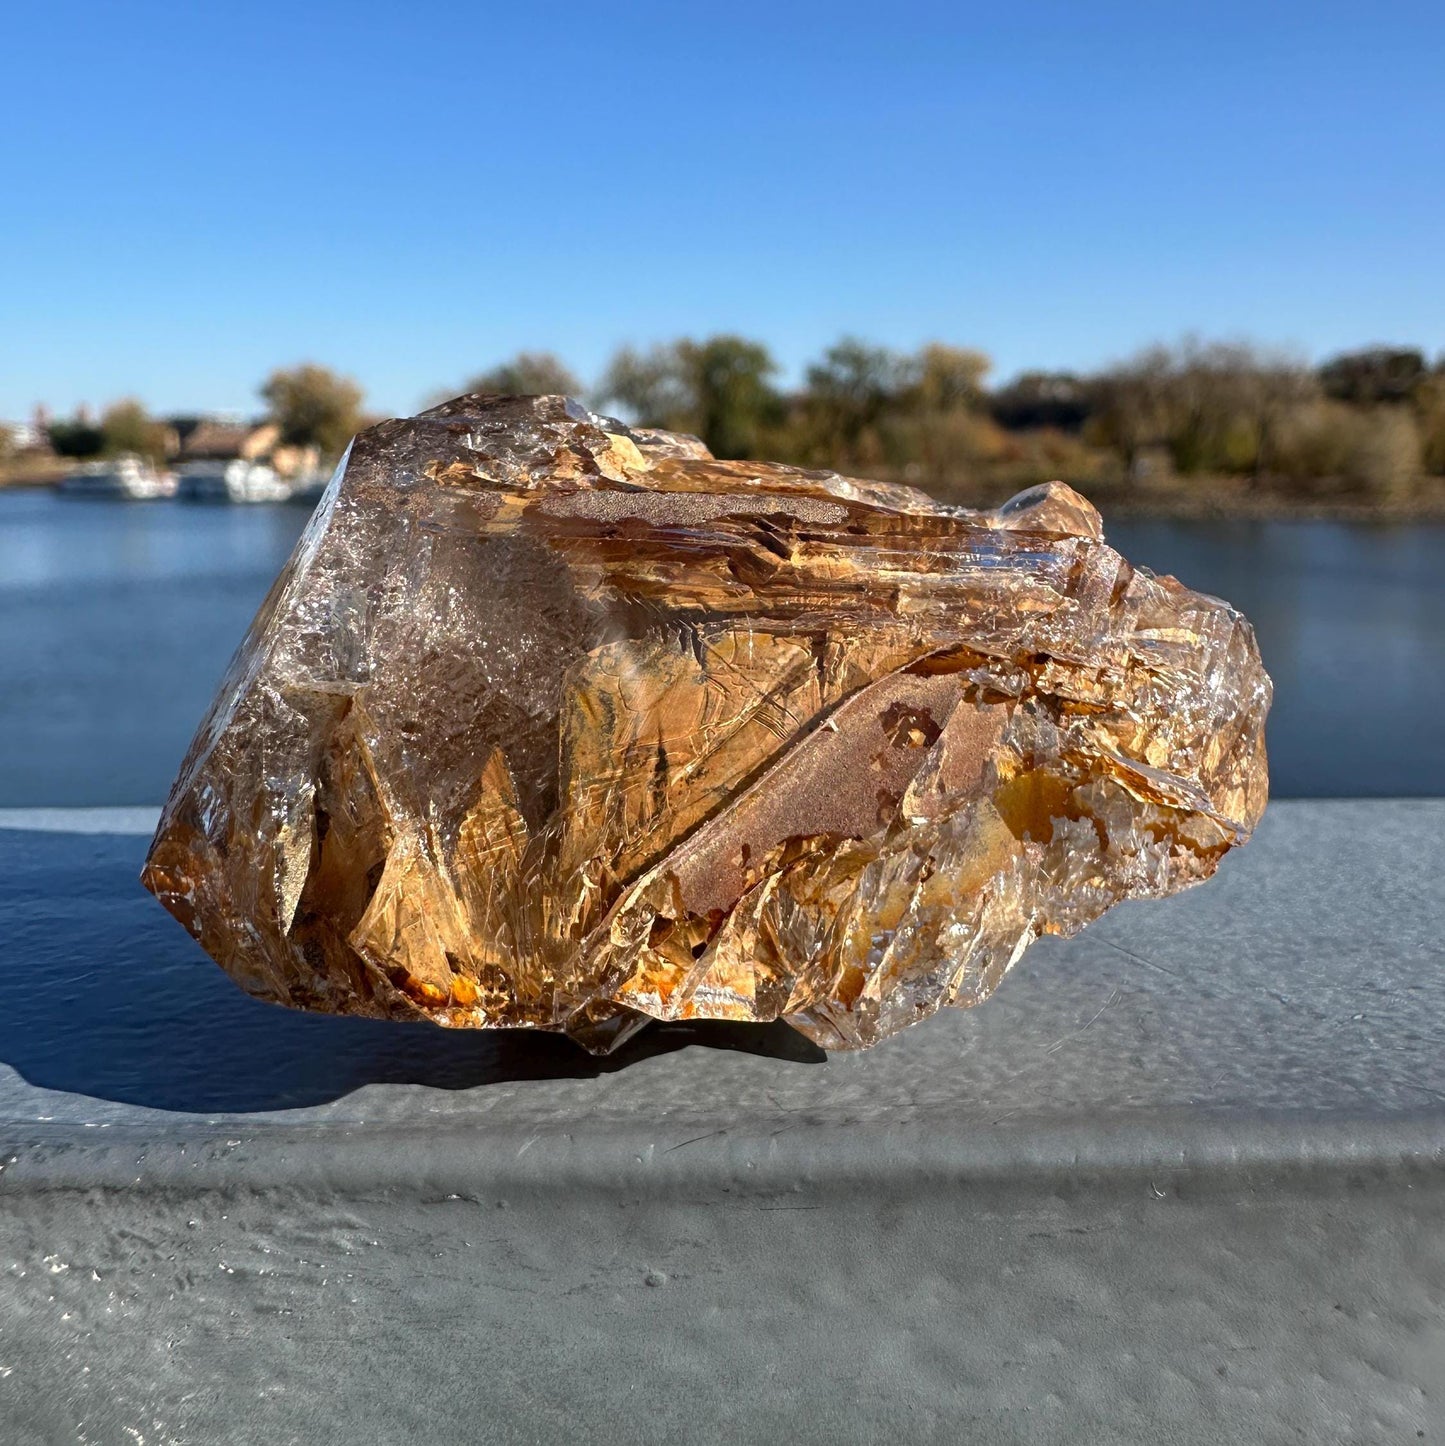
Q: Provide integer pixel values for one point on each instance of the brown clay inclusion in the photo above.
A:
(557, 723)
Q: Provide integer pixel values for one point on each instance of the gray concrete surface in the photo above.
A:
(1180, 1180)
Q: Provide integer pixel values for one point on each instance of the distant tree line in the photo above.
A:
(1369, 423)
(123, 427)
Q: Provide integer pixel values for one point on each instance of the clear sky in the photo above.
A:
(191, 194)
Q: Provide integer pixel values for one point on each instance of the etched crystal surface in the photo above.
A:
(557, 723)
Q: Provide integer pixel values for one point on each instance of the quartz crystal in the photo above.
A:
(558, 723)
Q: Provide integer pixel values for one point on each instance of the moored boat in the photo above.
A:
(127, 477)
(232, 479)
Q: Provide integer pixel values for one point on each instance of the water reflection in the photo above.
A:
(1351, 622)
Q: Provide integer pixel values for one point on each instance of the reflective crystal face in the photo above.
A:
(556, 723)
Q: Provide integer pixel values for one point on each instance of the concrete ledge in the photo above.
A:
(1306, 982)
(469, 1160)
(1182, 1179)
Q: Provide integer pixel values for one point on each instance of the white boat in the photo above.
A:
(126, 476)
(230, 480)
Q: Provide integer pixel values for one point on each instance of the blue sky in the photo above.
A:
(191, 194)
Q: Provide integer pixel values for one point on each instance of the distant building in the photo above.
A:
(26, 452)
(215, 438)
(212, 438)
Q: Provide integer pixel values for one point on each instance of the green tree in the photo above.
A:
(528, 374)
(1376, 374)
(718, 389)
(655, 387)
(314, 407)
(849, 391)
(76, 436)
(734, 400)
(1034, 400)
(126, 426)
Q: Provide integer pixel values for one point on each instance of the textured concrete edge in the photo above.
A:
(474, 1159)
(141, 820)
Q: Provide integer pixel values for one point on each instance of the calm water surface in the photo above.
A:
(116, 621)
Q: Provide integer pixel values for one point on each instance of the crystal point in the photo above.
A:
(555, 723)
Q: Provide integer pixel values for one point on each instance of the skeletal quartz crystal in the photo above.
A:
(559, 723)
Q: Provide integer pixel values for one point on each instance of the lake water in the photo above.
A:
(117, 619)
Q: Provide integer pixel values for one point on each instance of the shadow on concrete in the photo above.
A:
(103, 994)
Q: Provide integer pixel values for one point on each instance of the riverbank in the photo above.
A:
(1223, 498)
(1238, 499)
(1179, 498)
(34, 472)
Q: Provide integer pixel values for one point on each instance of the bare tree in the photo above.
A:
(948, 378)
(529, 374)
(1134, 405)
(1216, 406)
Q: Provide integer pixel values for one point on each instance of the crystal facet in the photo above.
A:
(557, 723)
